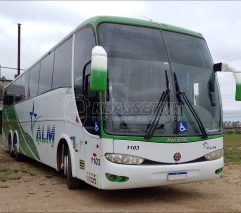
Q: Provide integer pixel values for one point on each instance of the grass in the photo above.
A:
(11, 171)
(7, 174)
(232, 148)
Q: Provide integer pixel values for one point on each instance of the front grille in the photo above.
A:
(150, 162)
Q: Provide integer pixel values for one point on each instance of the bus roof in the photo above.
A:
(94, 21)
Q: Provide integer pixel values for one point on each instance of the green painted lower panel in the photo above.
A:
(26, 143)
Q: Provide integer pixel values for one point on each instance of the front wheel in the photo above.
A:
(72, 183)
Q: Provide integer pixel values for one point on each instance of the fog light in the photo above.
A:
(116, 178)
(214, 155)
(219, 171)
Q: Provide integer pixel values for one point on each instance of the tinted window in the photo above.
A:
(33, 82)
(18, 90)
(62, 65)
(132, 42)
(189, 50)
(84, 43)
(137, 74)
(25, 81)
(9, 95)
(46, 72)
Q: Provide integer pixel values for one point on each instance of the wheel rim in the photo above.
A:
(66, 158)
(15, 146)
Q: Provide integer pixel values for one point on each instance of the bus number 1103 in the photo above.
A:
(133, 147)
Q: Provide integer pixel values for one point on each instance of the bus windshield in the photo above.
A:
(139, 71)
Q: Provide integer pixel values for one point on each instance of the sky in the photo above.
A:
(45, 23)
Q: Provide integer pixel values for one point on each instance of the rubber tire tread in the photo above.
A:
(72, 183)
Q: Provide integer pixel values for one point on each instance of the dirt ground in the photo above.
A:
(34, 187)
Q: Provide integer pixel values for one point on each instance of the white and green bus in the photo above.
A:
(120, 103)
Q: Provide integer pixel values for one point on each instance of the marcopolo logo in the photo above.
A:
(45, 134)
(177, 156)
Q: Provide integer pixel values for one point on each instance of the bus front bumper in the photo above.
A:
(138, 176)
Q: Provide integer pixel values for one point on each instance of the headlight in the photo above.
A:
(124, 159)
(214, 155)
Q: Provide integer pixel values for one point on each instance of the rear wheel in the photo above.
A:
(11, 147)
(72, 183)
(9, 143)
(16, 154)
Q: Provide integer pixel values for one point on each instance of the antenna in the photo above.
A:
(19, 43)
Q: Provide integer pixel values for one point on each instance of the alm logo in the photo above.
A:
(43, 135)
(206, 145)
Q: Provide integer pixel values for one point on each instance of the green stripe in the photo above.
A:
(26, 143)
(159, 139)
(139, 22)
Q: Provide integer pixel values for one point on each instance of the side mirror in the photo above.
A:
(98, 79)
(237, 77)
(222, 67)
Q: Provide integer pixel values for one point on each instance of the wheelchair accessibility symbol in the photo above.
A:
(97, 127)
(182, 126)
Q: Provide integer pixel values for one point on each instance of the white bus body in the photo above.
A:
(48, 128)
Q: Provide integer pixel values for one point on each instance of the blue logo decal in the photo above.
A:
(33, 116)
(182, 126)
(45, 135)
(97, 127)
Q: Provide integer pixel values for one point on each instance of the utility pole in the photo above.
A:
(19, 46)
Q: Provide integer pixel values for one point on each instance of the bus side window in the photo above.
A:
(25, 82)
(62, 65)
(84, 43)
(19, 91)
(46, 72)
(33, 80)
(8, 96)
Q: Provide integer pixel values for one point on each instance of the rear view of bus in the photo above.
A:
(142, 107)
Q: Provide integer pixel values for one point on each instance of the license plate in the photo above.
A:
(177, 175)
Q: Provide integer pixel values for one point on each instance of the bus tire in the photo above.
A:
(9, 143)
(11, 147)
(72, 183)
(17, 155)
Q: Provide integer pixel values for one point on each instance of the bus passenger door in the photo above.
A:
(92, 159)
(91, 129)
(87, 103)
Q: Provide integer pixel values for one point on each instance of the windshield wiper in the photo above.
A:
(151, 127)
(181, 96)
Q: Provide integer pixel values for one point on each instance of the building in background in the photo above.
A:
(3, 83)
